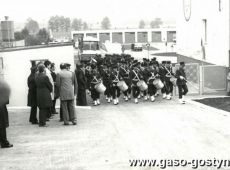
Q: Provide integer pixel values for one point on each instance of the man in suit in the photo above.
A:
(4, 121)
(81, 82)
(67, 84)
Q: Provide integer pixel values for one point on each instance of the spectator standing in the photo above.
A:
(44, 89)
(47, 64)
(4, 120)
(66, 82)
(32, 96)
(56, 92)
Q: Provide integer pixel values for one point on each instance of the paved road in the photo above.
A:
(108, 136)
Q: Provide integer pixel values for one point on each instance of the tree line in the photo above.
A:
(34, 35)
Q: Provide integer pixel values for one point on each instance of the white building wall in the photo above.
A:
(190, 33)
(17, 68)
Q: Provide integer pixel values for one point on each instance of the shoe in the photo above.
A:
(129, 97)
(6, 145)
(152, 98)
(126, 98)
(181, 101)
(74, 123)
(108, 100)
(145, 98)
(98, 102)
(43, 125)
(114, 101)
(168, 97)
(136, 100)
(139, 97)
(66, 124)
(117, 100)
(95, 103)
(164, 96)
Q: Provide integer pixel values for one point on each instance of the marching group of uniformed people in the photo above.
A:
(124, 74)
(110, 76)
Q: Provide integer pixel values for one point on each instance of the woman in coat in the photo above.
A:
(44, 101)
(32, 96)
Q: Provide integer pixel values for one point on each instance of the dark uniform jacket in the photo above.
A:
(106, 78)
(115, 77)
(44, 88)
(152, 75)
(135, 76)
(81, 79)
(162, 73)
(144, 74)
(169, 73)
(124, 72)
(180, 72)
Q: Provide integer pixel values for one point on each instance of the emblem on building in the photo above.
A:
(187, 9)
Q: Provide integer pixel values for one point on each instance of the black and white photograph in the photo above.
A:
(114, 85)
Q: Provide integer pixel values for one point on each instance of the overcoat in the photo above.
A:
(44, 88)
(32, 91)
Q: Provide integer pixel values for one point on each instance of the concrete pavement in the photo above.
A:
(108, 136)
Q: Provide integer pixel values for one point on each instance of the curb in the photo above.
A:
(208, 108)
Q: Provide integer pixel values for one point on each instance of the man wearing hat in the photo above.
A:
(144, 73)
(135, 77)
(181, 82)
(162, 73)
(107, 82)
(168, 83)
(152, 75)
(94, 79)
(115, 78)
(124, 72)
(81, 81)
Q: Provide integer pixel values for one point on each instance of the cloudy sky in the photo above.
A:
(120, 12)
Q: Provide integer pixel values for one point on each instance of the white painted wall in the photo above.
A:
(17, 68)
(189, 33)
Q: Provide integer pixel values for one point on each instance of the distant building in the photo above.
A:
(7, 32)
(127, 36)
(203, 30)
